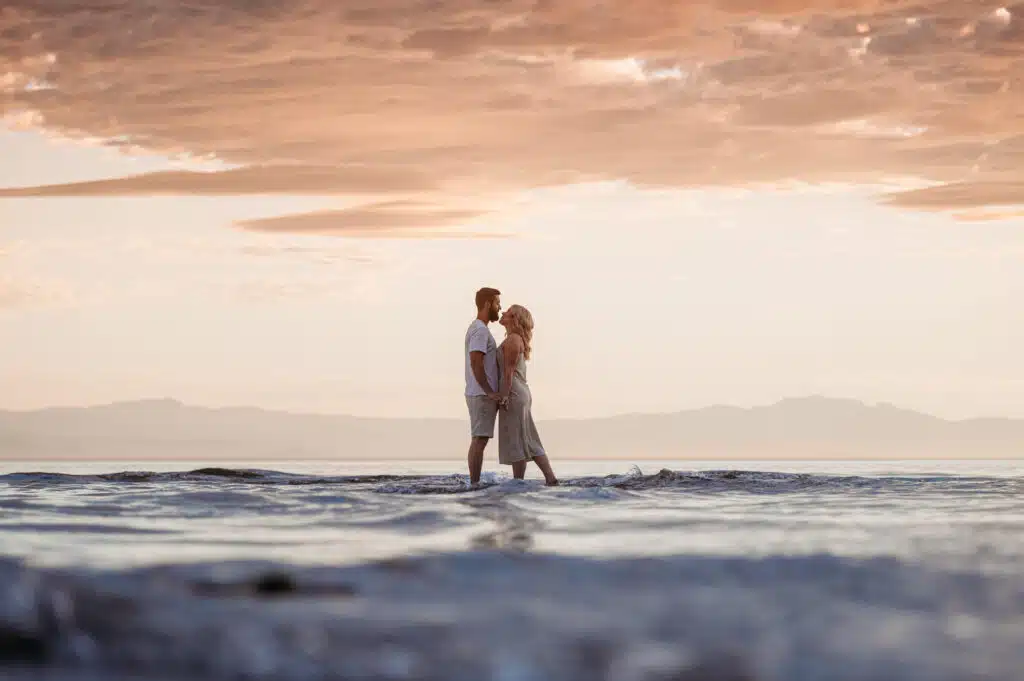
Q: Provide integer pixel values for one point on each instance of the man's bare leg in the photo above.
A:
(519, 470)
(545, 467)
(476, 458)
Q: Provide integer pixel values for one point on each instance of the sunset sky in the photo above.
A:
(290, 205)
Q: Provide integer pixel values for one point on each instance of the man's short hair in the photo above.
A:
(486, 295)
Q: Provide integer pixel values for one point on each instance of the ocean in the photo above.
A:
(645, 570)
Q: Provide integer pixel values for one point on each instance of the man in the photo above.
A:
(482, 396)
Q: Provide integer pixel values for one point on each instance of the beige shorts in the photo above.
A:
(483, 412)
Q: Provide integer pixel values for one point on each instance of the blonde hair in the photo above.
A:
(522, 323)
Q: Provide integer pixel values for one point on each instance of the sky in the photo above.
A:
(292, 206)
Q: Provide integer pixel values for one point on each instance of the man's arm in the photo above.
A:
(476, 362)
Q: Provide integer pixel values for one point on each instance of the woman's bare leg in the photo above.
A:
(519, 470)
(545, 467)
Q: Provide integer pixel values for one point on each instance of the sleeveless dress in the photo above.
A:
(517, 435)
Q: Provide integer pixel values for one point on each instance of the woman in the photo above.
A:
(518, 441)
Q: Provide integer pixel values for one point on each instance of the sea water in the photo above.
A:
(639, 569)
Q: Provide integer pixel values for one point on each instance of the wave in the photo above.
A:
(489, 615)
(757, 482)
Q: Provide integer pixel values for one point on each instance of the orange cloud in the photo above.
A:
(978, 215)
(390, 219)
(460, 98)
(962, 195)
(280, 179)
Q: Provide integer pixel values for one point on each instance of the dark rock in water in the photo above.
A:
(226, 473)
(272, 584)
(275, 583)
(282, 584)
(16, 646)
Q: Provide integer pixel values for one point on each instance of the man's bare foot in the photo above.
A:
(552, 483)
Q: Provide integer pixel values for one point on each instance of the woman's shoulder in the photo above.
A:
(513, 339)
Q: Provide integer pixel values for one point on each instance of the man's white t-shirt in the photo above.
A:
(479, 339)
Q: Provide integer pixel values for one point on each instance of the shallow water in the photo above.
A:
(772, 570)
(322, 513)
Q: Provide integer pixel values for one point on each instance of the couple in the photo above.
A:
(496, 380)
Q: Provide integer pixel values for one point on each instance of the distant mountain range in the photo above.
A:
(797, 428)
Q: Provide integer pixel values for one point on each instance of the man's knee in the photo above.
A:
(480, 442)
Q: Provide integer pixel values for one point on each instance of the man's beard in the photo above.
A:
(494, 315)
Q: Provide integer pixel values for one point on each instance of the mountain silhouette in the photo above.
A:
(795, 428)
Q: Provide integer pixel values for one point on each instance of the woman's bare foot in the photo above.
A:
(551, 483)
